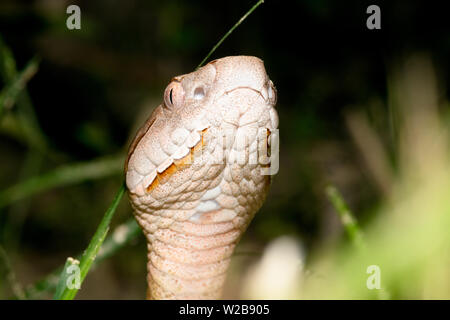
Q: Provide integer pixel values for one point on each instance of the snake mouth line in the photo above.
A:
(186, 161)
(178, 165)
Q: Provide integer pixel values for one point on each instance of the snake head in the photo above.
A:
(231, 96)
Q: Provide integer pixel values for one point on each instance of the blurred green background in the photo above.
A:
(95, 86)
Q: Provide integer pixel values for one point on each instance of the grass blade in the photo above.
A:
(122, 235)
(10, 276)
(64, 278)
(11, 92)
(7, 62)
(62, 176)
(229, 32)
(94, 246)
(347, 219)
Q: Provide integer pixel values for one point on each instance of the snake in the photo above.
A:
(197, 172)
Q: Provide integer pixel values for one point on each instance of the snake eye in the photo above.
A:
(174, 95)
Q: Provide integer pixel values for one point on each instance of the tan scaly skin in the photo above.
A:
(195, 176)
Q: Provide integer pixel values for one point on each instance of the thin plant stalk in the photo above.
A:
(229, 32)
(11, 92)
(347, 219)
(65, 175)
(68, 277)
(16, 93)
(92, 250)
(119, 238)
(10, 276)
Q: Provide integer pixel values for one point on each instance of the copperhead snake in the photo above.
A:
(196, 174)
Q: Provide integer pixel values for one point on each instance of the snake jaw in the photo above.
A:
(171, 166)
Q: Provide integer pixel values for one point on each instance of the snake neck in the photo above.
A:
(192, 234)
(190, 260)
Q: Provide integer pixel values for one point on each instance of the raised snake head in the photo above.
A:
(198, 171)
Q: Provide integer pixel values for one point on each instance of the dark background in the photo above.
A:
(96, 85)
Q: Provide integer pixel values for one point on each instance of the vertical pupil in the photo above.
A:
(170, 96)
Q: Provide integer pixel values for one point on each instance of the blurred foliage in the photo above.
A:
(344, 112)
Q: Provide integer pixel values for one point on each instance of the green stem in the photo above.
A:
(229, 32)
(122, 235)
(67, 275)
(11, 276)
(62, 176)
(11, 92)
(92, 250)
(347, 219)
